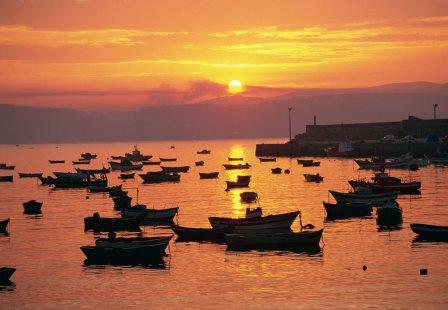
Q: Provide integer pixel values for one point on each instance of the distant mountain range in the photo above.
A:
(225, 117)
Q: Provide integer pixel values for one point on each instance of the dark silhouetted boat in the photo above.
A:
(304, 161)
(136, 155)
(88, 156)
(276, 170)
(79, 180)
(267, 159)
(430, 232)
(98, 223)
(32, 207)
(103, 189)
(200, 234)
(167, 159)
(204, 152)
(6, 178)
(4, 226)
(126, 176)
(275, 240)
(243, 178)
(236, 167)
(363, 195)
(47, 180)
(125, 165)
(156, 215)
(248, 196)
(389, 215)
(311, 164)
(347, 210)
(199, 163)
(30, 175)
(175, 169)
(6, 274)
(56, 161)
(81, 162)
(235, 158)
(122, 201)
(313, 177)
(236, 184)
(159, 177)
(103, 170)
(382, 183)
(209, 175)
(6, 167)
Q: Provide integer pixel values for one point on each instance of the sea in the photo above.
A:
(52, 272)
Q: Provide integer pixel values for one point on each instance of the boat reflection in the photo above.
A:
(152, 263)
(277, 250)
(8, 286)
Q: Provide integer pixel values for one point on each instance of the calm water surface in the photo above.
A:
(51, 272)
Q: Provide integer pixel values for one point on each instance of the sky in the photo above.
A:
(112, 54)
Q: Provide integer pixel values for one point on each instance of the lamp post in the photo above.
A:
(435, 106)
(289, 115)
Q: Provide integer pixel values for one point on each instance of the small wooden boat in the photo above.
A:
(248, 196)
(150, 163)
(311, 164)
(236, 167)
(389, 215)
(283, 220)
(267, 159)
(167, 159)
(98, 223)
(210, 175)
(347, 210)
(200, 234)
(159, 177)
(304, 161)
(4, 226)
(204, 152)
(313, 177)
(276, 170)
(5, 274)
(156, 215)
(243, 178)
(79, 180)
(32, 207)
(364, 195)
(5, 167)
(235, 158)
(126, 176)
(236, 184)
(56, 161)
(6, 178)
(81, 162)
(275, 240)
(122, 201)
(103, 189)
(175, 169)
(125, 165)
(199, 163)
(30, 175)
(430, 232)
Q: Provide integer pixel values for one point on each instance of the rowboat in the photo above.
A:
(81, 162)
(248, 196)
(125, 176)
(6, 273)
(4, 226)
(200, 234)
(98, 223)
(210, 175)
(236, 167)
(5, 167)
(276, 170)
(6, 178)
(204, 152)
(167, 159)
(79, 180)
(346, 210)
(304, 161)
(199, 163)
(56, 161)
(126, 243)
(175, 169)
(32, 207)
(156, 215)
(159, 177)
(313, 177)
(150, 163)
(236, 184)
(364, 196)
(389, 215)
(243, 178)
(283, 220)
(267, 159)
(430, 232)
(125, 165)
(235, 158)
(275, 240)
(102, 189)
(30, 175)
(311, 164)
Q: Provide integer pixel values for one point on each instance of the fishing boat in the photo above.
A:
(156, 215)
(80, 180)
(6, 274)
(236, 184)
(81, 162)
(103, 170)
(56, 161)
(248, 196)
(250, 223)
(122, 201)
(175, 169)
(6, 178)
(275, 240)
(204, 152)
(70, 175)
(150, 163)
(389, 215)
(200, 234)
(236, 167)
(347, 210)
(6, 167)
(267, 159)
(382, 183)
(276, 170)
(311, 164)
(4, 226)
(304, 161)
(136, 155)
(199, 163)
(32, 207)
(88, 156)
(98, 223)
(243, 178)
(30, 175)
(167, 159)
(313, 177)
(235, 158)
(126, 243)
(430, 232)
(209, 175)
(125, 165)
(159, 177)
(126, 176)
(364, 195)
(103, 189)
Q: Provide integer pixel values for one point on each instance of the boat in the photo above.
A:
(122, 201)
(204, 152)
(49, 180)
(199, 163)
(389, 215)
(430, 232)
(304, 161)
(125, 243)
(103, 170)
(209, 175)
(88, 156)
(275, 240)
(248, 223)
(6, 167)
(136, 155)
(364, 195)
(311, 164)
(200, 234)
(5, 274)
(118, 192)
(236, 184)
(149, 163)
(167, 159)
(382, 183)
(125, 165)
(243, 178)
(30, 175)
(248, 196)
(313, 177)
(6, 178)
(175, 169)
(56, 161)
(156, 215)
(32, 207)
(79, 180)
(267, 159)
(70, 175)
(126, 176)
(276, 170)
(103, 189)
(81, 162)
(98, 223)
(347, 210)
(159, 177)
(235, 158)
(4, 226)
(236, 167)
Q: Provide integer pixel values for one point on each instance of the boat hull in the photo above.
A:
(372, 199)
(281, 240)
(6, 273)
(403, 188)
(212, 175)
(156, 215)
(140, 252)
(277, 221)
(347, 210)
(430, 232)
(4, 226)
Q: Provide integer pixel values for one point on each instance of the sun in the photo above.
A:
(235, 87)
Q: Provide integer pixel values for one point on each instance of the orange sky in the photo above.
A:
(91, 54)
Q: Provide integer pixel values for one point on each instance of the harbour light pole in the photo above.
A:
(289, 115)
(435, 106)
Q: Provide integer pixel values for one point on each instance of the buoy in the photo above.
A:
(287, 171)
(364, 267)
(87, 197)
(423, 271)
